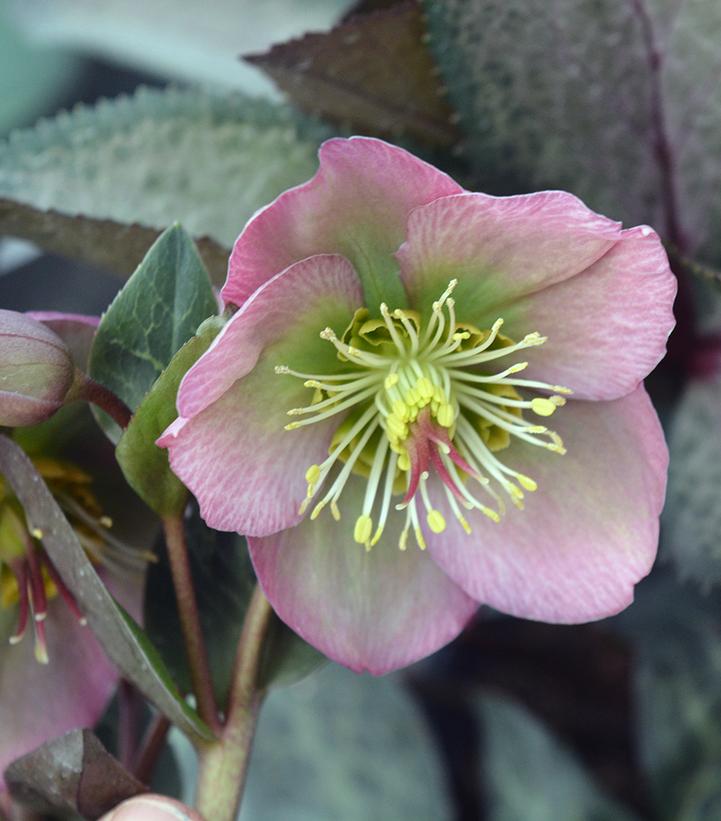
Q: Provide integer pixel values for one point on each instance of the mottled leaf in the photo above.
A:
(72, 773)
(692, 516)
(677, 642)
(372, 73)
(617, 101)
(528, 774)
(154, 315)
(155, 158)
(117, 246)
(339, 745)
(224, 582)
(145, 465)
(120, 637)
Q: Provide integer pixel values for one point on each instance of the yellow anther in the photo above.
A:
(304, 506)
(561, 389)
(514, 490)
(335, 510)
(464, 524)
(36, 533)
(401, 410)
(492, 514)
(403, 540)
(363, 529)
(404, 462)
(279, 369)
(518, 367)
(419, 538)
(527, 483)
(543, 406)
(396, 426)
(312, 474)
(391, 380)
(376, 537)
(291, 426)
(41, 653)
(534, 339)
(424, 387)
(317, 509)
(445, 416)
(558, 401)
(436, 522)
(311, 383)
(106, 521)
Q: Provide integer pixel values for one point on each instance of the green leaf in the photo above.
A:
(224, 582)
(339, 745)
(572, 93)
(677, 647)
(144, 465)
(692, 516)
(155, 158)
(73, 773)
(158, 310)
(119, 636)
(529, 774)
(372, 73)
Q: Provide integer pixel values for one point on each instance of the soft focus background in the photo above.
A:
(619, 102)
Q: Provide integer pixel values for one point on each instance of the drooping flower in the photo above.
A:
(376, 416)
(54, 676)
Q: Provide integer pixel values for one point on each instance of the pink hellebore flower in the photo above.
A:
(397, 318)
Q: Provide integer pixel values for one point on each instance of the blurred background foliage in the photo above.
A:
(122, 117)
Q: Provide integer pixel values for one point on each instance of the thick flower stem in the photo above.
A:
(88, 390)
(190, 620)
(224, 765)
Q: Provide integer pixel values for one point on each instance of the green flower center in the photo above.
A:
(417, 399)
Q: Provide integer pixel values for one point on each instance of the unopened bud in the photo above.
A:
(36, 370)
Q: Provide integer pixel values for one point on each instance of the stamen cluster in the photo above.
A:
(415, 400)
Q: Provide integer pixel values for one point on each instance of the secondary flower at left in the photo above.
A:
(54, 676)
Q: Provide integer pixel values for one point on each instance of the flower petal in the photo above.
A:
(76, 330)
(357, 205)
(589, 532)
(39, 702)
(229, 445)
(372, 611)
(607, 327)
(499, 248)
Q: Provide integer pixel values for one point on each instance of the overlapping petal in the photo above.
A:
(607, 327)
(589, 532)
(228, 444)
(499, 248)
(371, 611)
(357, 205)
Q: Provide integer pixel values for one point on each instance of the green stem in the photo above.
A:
(196, 651)
(224, 764)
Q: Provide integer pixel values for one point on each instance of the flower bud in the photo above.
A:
(36, 370)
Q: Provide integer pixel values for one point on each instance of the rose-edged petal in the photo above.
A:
(589, 532)
(607, 327)
(357, 205)
(40, 702)
(499, 248)
(229, 445)
(372, 611)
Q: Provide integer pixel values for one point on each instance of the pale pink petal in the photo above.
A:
(229, 445)
(372, 611)
(39, 702)
(357, 205)
(589, 532)
(499, 248)
(607, 327)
